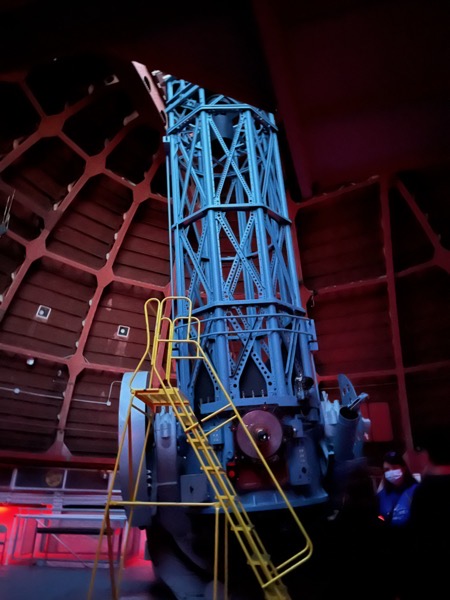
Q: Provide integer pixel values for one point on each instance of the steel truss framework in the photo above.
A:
(233, 251)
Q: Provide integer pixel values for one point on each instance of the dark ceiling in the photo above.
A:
(361, 94)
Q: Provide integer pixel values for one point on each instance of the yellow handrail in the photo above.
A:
(199, 354)
(160, 393)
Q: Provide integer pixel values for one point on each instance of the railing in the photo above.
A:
(166, 349)
(51, 537)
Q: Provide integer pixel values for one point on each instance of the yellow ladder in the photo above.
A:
(165, 350)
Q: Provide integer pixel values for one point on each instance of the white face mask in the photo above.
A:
(394, 476)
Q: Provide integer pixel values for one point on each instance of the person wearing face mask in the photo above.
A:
(396, 490)
(394, 497)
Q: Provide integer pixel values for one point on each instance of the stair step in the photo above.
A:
(160, 397)
(213, 469)
(263, 559)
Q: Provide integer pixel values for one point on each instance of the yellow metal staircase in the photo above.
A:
(162, 353)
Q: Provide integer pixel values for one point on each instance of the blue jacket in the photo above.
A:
(394, 505)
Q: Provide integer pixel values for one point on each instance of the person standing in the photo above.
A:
(394, 496)
(396, 490)
(428, 542)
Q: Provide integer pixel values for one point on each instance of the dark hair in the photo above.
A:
(394, 458)
(436, 442)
